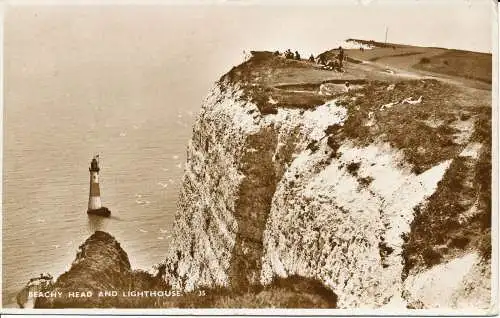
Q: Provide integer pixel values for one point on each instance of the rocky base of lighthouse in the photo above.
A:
(105, 212)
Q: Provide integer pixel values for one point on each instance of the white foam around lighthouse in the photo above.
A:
(95, 192)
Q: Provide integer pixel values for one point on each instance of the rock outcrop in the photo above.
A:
(101, 265)
(40, 284)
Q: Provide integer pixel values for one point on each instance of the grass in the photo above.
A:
(424, 60)
(258, 76)
(252, 207)
(403, 126)
(291, 292)
(470, 65)
(436, 231)
(353, 168)
(290, 83)
(482, 179)
(365, 181)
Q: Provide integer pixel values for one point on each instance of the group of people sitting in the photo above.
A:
(288, 54)
(335, 64)
(328, 64)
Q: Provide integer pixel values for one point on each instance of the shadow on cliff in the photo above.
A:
(101, 265)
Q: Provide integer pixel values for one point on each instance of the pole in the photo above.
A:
(386, 30)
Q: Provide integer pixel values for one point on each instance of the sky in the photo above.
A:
(216, 35)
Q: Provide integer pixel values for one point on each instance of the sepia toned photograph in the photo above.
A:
(328, 157)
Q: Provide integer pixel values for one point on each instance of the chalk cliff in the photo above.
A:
(286, 178)
(301, 191)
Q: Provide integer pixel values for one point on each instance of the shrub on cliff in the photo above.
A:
(290, 292)
(425, 60)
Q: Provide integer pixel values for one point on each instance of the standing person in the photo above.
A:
(341, 55)
(297, 55)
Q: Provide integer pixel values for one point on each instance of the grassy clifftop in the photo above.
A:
(272, 81)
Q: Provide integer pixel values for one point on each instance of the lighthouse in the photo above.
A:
(95, 205)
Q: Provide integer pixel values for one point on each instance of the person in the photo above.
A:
(330, 65)
(347, 86)
(321, 60)
(297, 55)
(341, 55)
(288, 52)
(311, 58)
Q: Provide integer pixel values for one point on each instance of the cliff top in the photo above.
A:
(272, 81)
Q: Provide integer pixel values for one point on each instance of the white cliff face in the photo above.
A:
(205, 226)
(332, 224)
(258, 201)
(461, 283)
(229, 133)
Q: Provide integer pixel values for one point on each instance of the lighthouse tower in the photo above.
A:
(95, 192)
(95, 206)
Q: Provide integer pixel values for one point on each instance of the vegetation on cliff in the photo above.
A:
(470, 65)
(101, 265)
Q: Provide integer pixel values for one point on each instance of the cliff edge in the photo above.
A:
(375, 190)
